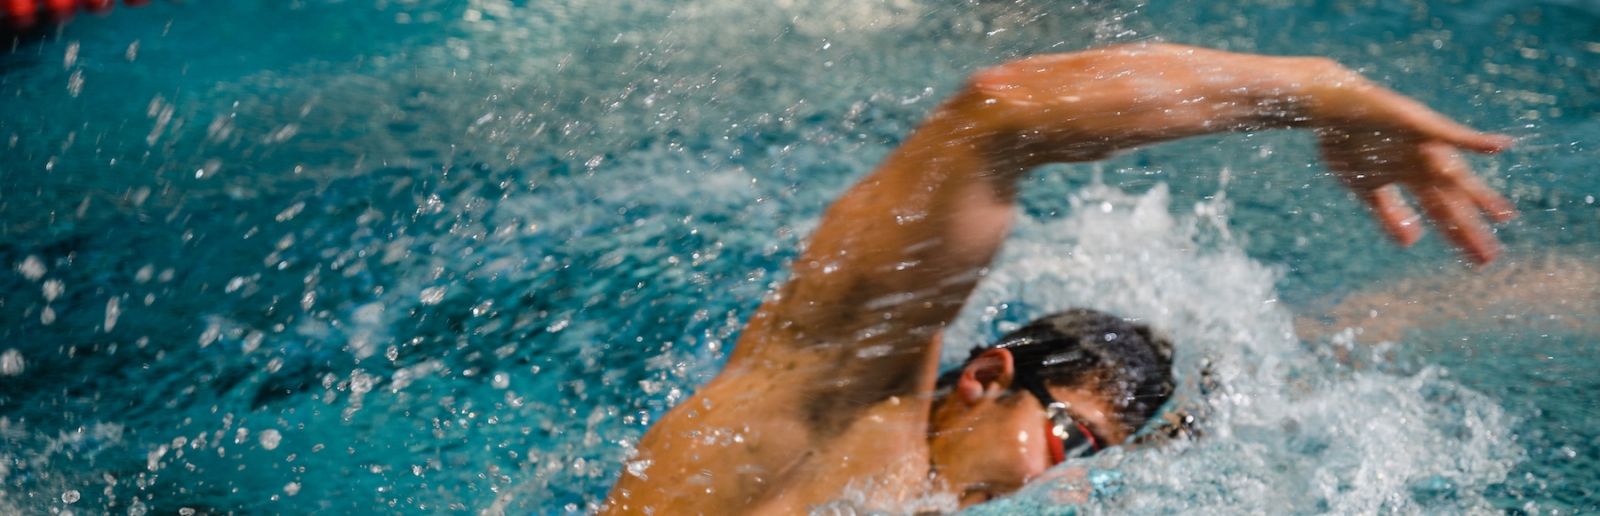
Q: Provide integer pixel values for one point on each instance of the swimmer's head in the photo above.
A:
(991, 431)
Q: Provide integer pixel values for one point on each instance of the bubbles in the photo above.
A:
(137, 508)
(11, 363)
(269, 438)
(70, 497)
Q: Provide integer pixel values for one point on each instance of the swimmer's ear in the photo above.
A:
(994, 369)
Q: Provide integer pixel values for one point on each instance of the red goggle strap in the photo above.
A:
(1058, 449)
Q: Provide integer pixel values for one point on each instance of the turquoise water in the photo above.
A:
(422, 257)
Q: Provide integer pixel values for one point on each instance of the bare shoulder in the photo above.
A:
(716, 452)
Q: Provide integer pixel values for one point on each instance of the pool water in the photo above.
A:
(418, 256)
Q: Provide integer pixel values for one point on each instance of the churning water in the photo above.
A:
(422, 257)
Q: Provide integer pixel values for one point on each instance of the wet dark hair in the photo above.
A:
(1129, 363)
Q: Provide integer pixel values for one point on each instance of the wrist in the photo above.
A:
(1325, 94)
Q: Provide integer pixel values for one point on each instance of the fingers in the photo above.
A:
(1441, 127)
(1497, 206)
(1397, 218)
(1482, 143)
(1455, 200)
(1435, 125)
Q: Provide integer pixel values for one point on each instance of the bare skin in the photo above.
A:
(830, 386)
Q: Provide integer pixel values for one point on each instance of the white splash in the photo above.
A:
(1283, 431)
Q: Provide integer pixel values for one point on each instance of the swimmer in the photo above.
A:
(834, 385)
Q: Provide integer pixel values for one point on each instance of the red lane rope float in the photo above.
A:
(21, 14)
(98, 6)
(61, 10)
(24, 14)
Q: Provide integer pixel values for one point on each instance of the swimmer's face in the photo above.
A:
(988, 441)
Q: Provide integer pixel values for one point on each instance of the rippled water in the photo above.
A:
(425, 256)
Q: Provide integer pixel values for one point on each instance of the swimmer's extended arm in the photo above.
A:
(897, 255)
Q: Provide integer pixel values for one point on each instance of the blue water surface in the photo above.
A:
(428, 256)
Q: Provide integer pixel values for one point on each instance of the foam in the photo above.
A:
(1284, 429)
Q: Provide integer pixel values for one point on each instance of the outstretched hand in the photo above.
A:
(1378, 141)
(1091, 104)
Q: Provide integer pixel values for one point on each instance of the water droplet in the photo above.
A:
(292, 488)
(290, 212)
(138, 508)
(432, 295)
(145, 273)
(360, 383)
(270, 438)
(637, 468)
(186, 511)
(72, 56)
(212, 333)
(113, 310)
(48, 315)
(253, 341)
(71, 496)
(501, 380)
(75, 83)
(53, 289)
(32, 268)
(11, 363)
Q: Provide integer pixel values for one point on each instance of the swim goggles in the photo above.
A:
(1065, 437)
